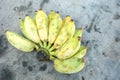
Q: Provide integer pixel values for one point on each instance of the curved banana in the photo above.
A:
(22, 27)
(81, 52)
(19, 42)
(51, 15)
(30, 30)
(70, 47)
(69, 66)
(42, 24)
(66, 33)
(55, 23)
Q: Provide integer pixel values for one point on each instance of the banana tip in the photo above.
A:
(40, 9)
(83, 60)
(26, 15)
(5, 31)
(80, 28)
(57, 12)
(72, 20)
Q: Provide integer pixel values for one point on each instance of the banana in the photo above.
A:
(55, 23)
(19, 42)
(66, 33)
(81, 52)
(51, 15)
(30, 30)
(69, 66)
(42, 25)
(70, 47)
(22, 28)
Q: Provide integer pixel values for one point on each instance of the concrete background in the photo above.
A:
(100, 20)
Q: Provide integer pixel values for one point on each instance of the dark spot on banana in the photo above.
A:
(24, 63)
(30, 68)
(43, 67)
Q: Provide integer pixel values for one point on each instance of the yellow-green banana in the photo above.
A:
(66, 33)
(70, 47)
(41, 21)
(51, 15)
(73, 64)
(19, 42)
(30, 30)
(81, 52)
(42, 24)
(69, 66)
(55, 23)
(22, 27)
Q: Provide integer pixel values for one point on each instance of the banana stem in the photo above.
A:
(49, 45)
(40, 43)
(44, 44)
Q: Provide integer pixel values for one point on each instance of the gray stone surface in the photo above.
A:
(100, 20)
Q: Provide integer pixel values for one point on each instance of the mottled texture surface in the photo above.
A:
(100, 20)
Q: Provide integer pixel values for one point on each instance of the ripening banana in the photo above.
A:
(70, 47)
(22, 27)
(29, 30)
(42, 24)
(19, 42)
(66, 33)
(55, 23)
(41, 21)
(51, 15)
(69, 66)
(81, 52)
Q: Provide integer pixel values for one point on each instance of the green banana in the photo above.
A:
(69, 66)
(70, 47)
(55, 23)
(66, 33)
(30, 30)
(42, 25)
(19, 42)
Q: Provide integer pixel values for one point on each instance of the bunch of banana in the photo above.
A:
(53, 36)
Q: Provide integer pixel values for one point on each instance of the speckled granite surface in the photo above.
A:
(100, 20)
